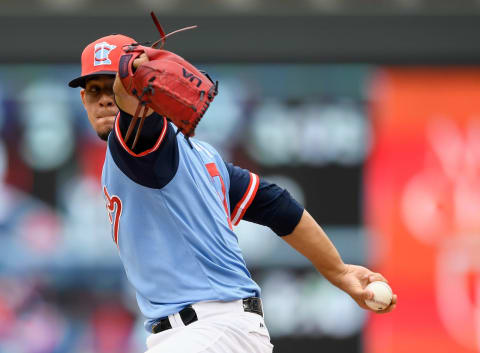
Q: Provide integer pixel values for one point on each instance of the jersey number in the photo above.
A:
(213, 171)
(114, 213)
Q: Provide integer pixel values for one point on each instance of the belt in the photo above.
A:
(188, 314)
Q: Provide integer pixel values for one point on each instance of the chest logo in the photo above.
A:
(213, 171)
(114, 209)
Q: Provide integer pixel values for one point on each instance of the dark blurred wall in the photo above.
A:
(389, 38)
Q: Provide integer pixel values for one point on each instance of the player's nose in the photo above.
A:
(106, 100)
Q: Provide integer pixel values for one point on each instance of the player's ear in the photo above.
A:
(82, 95)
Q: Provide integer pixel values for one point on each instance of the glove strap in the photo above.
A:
(140, 126)
(133, 122)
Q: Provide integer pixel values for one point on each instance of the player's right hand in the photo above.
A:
(355, 279)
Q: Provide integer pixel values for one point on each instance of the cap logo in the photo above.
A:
(101, 52)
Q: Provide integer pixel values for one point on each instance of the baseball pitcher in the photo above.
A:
(172, 202)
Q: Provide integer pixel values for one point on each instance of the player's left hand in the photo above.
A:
(354, 280)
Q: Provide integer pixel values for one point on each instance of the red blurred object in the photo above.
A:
(40, 231)
(91, 154)
(112, 327)
(18, 174)
(422, 194)
(7, 318)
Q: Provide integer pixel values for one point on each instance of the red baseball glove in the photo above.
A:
(168, 84)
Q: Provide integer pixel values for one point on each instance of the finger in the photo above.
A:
(364, 279)
(111, 121)
(386, 310)
(367, 294)
(143, 57)
(391, 307)
(394, 299)
(140, 60)
(375, 276)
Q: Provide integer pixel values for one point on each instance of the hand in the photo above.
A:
(354, 280)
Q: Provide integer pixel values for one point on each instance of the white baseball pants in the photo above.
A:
(222, 327)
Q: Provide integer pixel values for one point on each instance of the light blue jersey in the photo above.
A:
(176, 242)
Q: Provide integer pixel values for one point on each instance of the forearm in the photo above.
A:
(310, 240)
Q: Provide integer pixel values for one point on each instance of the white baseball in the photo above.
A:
(382, 295)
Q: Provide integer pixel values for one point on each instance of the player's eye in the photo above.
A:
(93, 89)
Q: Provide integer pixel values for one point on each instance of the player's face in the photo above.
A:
(98, 100)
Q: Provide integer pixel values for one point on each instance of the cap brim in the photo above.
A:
(80, 81)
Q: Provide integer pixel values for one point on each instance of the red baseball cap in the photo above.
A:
(101, 57)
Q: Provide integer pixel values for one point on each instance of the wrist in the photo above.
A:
(336, 273)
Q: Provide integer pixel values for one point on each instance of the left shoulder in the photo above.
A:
(204, 146)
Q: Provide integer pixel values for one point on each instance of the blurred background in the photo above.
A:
(367, 111)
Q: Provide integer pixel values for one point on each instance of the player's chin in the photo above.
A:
(104, 131)
(103, 135)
